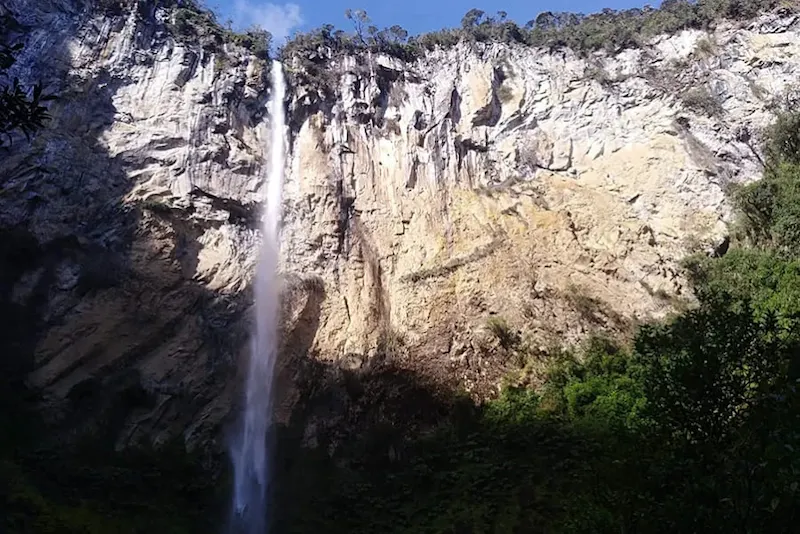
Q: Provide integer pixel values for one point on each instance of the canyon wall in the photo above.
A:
(554, 191)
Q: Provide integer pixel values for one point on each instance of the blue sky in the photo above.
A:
(416, 16)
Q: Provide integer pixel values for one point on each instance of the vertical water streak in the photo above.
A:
(250, 452)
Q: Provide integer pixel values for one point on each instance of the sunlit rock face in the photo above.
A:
(554, 191)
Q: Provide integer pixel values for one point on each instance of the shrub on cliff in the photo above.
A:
(765, 280)
(189, 21)
(609, 30)
(256, 40)
(614, 30)
(770, 208)
(700, 100)
(317, 46)
(21, 108)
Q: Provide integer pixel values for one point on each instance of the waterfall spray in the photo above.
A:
(250, 452)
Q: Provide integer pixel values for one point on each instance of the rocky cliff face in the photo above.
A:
(553, 191)
(136, 270)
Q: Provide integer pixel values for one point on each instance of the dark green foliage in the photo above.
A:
(142, 491)
(313, 49)
(193, 23)
(473, 478)
(705, 370)
(256, 40)
(767, 277)
(21, 108)
(721, 387)
(704, 48)
(608, 30)
(693, 431)
(766, 280)
(601, 386)
(783, 137)
(770, 208)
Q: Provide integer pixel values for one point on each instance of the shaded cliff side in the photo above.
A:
(124, 297)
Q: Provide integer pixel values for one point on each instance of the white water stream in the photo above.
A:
(250, 451)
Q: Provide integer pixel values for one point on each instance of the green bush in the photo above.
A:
(699, 99)
(158, 490)
(770, 208)
(704, 48)
(704, 371)
(658, 438)
(255, 40)
(191, 22)
(763, 279)
(596, 389)
(502, 331)
(783, 137)
(608, 30)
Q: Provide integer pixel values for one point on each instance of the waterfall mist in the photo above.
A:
(250, 450)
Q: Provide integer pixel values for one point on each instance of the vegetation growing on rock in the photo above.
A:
(771, 207)
(189, 21)
(195, 24)
(21, 108)
(608, 30)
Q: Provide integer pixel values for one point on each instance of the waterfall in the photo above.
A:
(250, 452)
